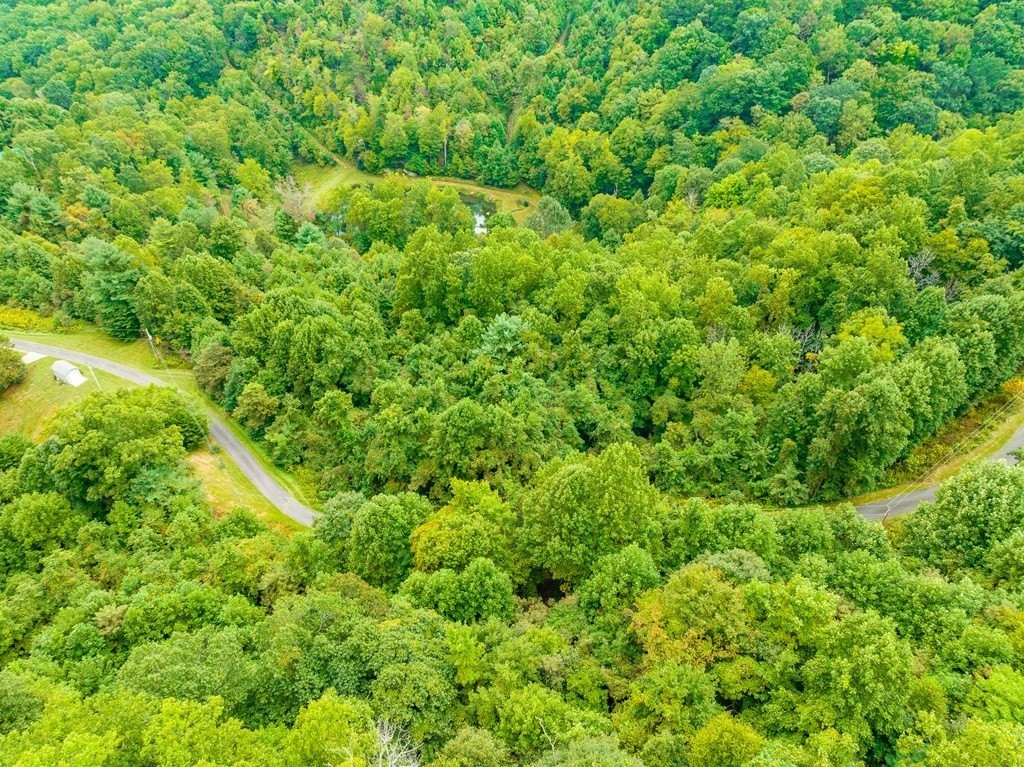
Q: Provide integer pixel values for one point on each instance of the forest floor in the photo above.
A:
(27, 406)
(322, 179)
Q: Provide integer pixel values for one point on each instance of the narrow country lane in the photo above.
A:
(893, 506)
(907, 501)
(231, 445)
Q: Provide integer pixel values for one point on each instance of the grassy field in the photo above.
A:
(168, 369)
(519, 201)
(26, 407)
(137, 354)
(226, 487)
(324, 178)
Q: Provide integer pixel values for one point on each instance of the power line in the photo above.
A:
(920, 481)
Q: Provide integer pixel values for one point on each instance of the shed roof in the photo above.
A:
(67, 372)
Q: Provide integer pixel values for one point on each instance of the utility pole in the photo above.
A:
(152, 347)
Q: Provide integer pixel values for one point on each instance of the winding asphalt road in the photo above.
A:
(903, 503)
(231, 445)
(895, 506)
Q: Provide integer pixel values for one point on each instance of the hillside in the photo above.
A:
(580, 321)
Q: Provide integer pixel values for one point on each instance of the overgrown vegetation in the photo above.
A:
(137, 629)
(778, 247)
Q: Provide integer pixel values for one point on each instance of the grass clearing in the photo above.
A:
(323, 178)
(300, 486)
(27, 407)
(519, 201)
(226, 487)
(136, 353)
(222, 478)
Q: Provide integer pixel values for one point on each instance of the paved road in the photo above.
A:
(906, 502)
(231, 445)
(283, 500)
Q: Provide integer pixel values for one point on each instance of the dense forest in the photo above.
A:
(564, 464)
(137, 629)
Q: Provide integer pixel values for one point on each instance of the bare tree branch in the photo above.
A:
(394, 748)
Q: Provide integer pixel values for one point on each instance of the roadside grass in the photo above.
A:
(28, 406)
(298, 484)
(226, 487)
(91, 341)
(138, 354)
(519, 201)
(974, 436)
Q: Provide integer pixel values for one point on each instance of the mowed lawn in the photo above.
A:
(174, 371)
(519, 201)
(29, 407)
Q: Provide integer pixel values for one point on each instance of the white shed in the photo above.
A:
(65, 372)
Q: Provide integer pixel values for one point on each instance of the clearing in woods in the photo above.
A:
(27, 408)
(519, 201)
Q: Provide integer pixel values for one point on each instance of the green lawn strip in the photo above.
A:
(133, 353)
(138, 354)
(303, 493)
(227, 486)
(324, 178)
(518, 201)
(27, 406)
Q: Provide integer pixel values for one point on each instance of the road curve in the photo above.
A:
(894, 506)
(906, 502)
(231, 445)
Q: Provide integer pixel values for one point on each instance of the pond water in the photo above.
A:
(482, 208)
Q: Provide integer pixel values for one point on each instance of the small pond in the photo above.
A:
(482, 209)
